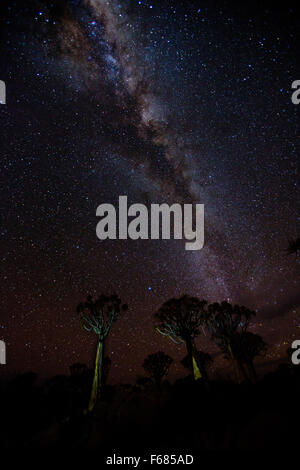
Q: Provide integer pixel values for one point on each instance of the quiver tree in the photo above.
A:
(106, 369)
(181, 320)
(98, 316)
(225, 322)
(157, 366)
(202, 358)
(246, 346)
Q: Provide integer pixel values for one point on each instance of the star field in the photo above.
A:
(162, 102)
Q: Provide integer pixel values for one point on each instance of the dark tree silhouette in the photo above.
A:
(202, 358)
(225, 322)
(143, 381)
(181, 320)
(98, 316)
(157, 366)
(246, 346)
(293, 246)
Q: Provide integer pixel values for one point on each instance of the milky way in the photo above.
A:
(162, 102)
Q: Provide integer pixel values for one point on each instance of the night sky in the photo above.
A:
(161, 101)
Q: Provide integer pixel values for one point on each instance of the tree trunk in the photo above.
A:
(193, 362)
(158, 381)
(96, 387)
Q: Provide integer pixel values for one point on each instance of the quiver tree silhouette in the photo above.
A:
(181, 320)
(157, 366)
(293, 246)
(245, 347)
(202, 358)
(225, 322)
(98, 316)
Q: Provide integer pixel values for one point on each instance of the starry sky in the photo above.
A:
(162, 101)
